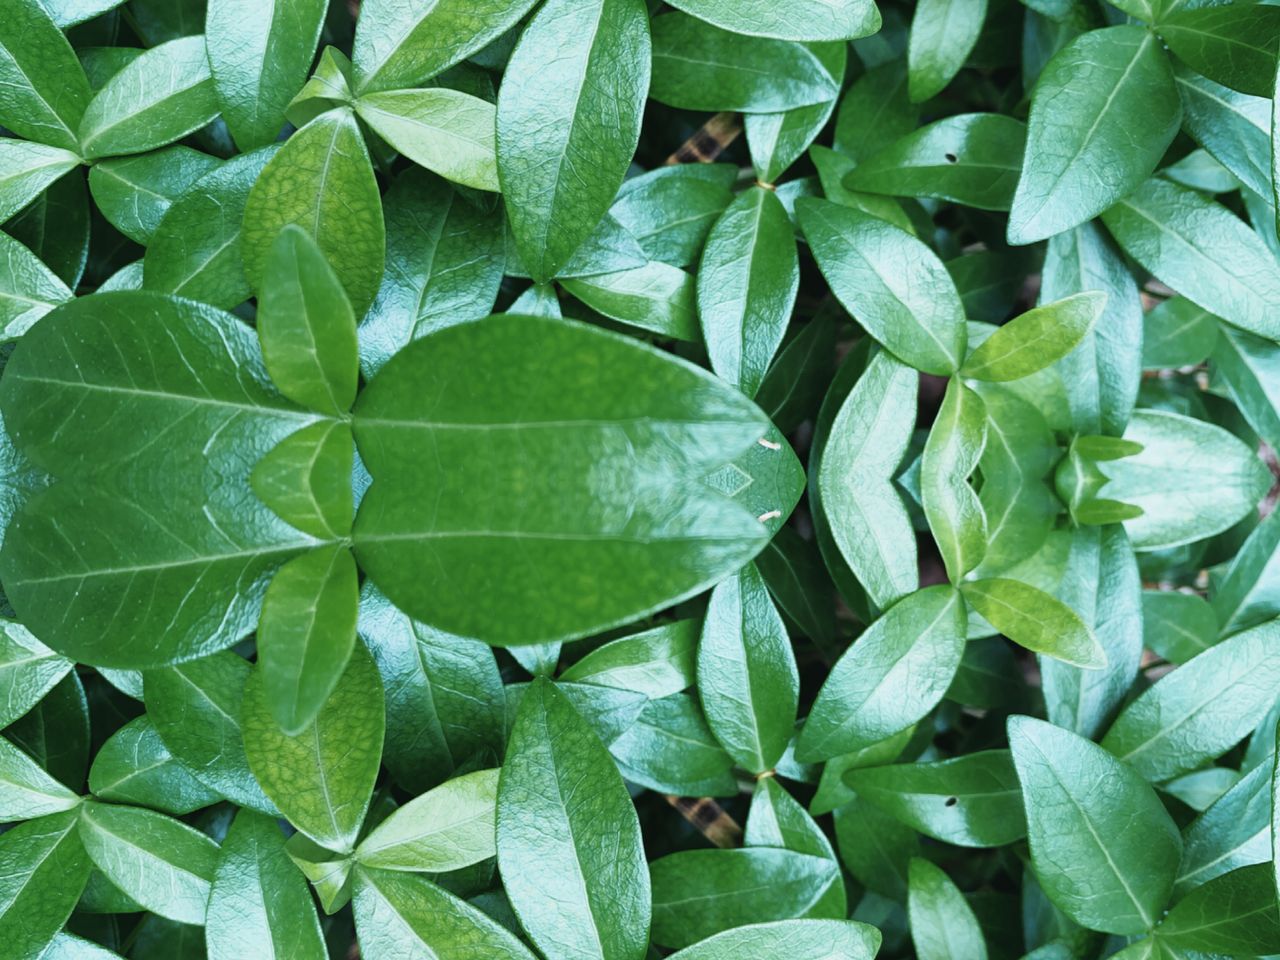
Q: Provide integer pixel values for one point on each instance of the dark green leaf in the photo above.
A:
(1177, 626)
(803, 20)
(43, 89)
(1235, 913)
(43, 869)
(943, 926)
(943, 34)
(134, 193)
(134, 766)
(796, 939)
(26, 790)
(671, 210)
(1234, 45)
(1177, 333)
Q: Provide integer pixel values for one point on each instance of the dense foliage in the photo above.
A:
(609, 480)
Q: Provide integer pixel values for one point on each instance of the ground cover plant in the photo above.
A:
(608, 480)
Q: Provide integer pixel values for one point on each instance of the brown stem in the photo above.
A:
(710, 140)
(709, 818)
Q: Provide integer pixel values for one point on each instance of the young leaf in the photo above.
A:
(43, 89)
(446, 131)
(1201, 709)
(951, 453)
(196, 249)
(1202, 250)
(1102, 113)
(1235, 46)
(306, 479)
(664, 536)
(400, 916)
(698, 66)
(322, 180)
(134, 766)
(43, 869)
(943, 926)
(27, 792)
(568, 833)
(306, 632)
(1233, 914)
(195, 707)
(445, 829)
(891, 282)
(397, 48)
(747, 676)
(973, 159)
(972, 800)
(160, 97)
(571, 101)
(943, 34)
(1104, 849)
(796, 939)
(162, 863)
(306, 327)
(893, 675)
(1035, 339)
(700, 893)
(747, 284)
(803, 20)
(259, 60)
(1035, 620)
(323, 778)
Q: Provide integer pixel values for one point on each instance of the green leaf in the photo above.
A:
(776, 819)
(306, 327)
(796, 939)
(134, 193)
(321, 779)
(28, 289)
(747, 284)
(1177, 626)
(1234, 832)
(973, 159)
(1102, 114)
(1247, 367)
(1033, 619)
(1035, 339)
(864, 449)
(259, 60)
(329, 87)
(322, 180)
(403, 917)
(1234, 127)
(697, 66)
(657, 662)
(875, 848)
(1202, 250)
(160, 97)
(306, 479)
(943, 34)
(571, 101)
(663, 536)
(195, 708)
(1234, 913)
(670, 210)
(893, 675)
(1235, 46)
(446, 131)
(875, 111)
(669, 748)
(43, 89)
(1177, 333)
(444, 694)
(134, 766)
(306, 633)
(568, 833)
(1244, 596)
(777, 140)
(196, 249)
(893, 284)
(943, 926)
(162, 863)
(1103, 848)
(396, 48)
(82, 555)
(971, 800)
(445, 829)
(259, 905)
(700, 893)
(27, 170)
(656, 297)
(1200, 710)
(28, 670)
(43, 869)
(951, 453)
(803, 20)
(747, 676)
(26, 790)
(1192, 479)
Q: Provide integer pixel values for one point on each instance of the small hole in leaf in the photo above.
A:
(951, 802)
(951, 157)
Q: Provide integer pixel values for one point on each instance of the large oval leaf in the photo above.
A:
(800, 20)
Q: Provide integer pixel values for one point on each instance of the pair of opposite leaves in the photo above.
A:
(532, 479)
